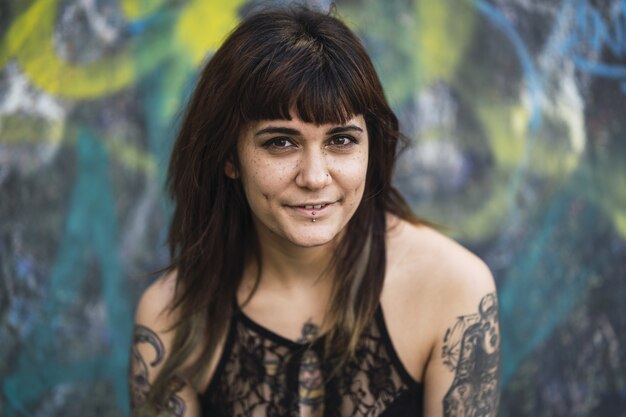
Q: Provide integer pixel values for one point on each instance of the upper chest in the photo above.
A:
(262, 371)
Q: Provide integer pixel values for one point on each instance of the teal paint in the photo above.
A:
(90, 231)
(548, 273)
(540, 290)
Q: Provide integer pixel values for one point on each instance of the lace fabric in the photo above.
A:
(258, 376)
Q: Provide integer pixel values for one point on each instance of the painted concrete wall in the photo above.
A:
(517, 115)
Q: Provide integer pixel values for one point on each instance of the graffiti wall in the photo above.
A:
(516, 111)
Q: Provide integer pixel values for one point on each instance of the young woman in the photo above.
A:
(301, 283)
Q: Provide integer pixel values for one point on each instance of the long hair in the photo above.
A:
(273, 62)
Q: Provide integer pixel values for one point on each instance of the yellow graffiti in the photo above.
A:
(608, 188)
(506, 142)
(136, 9)
(433, 43)
(487, 219)
(444, 30)
(203, 25)
(619, 219)
(17, 128)
(200, 26)
(129, 156)
(30, 41)
(21, 130)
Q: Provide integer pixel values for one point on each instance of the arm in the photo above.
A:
(150, 349)
(462, 376)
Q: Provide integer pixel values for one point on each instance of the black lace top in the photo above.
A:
(261, 373)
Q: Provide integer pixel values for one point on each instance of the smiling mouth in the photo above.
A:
(312, 210)
(316, 206)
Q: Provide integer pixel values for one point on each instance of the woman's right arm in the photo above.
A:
(151, 347)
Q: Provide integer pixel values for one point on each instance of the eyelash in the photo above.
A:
(351, 140)
(271, 144)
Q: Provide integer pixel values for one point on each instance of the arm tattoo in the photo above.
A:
(310, 379)
(472, 351)
(139, 374)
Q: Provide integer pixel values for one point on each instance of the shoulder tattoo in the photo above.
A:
(140, 370)
(471, 350)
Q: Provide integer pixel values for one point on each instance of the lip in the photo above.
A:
(308, 212)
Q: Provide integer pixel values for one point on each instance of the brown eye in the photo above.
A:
(342, 141)
(278, 143)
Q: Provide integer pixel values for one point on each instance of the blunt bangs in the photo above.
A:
(311, 74)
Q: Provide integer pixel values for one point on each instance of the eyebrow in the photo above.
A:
(291, 131)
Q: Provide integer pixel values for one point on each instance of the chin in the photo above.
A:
(318, 235)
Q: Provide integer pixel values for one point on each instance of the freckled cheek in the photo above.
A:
(270, 179)
(352, 174)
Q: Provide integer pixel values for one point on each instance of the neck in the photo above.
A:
(295, 279)
(289, 267)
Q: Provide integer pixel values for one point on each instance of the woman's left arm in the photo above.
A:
(462, 375)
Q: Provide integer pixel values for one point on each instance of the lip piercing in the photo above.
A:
(313, 213)
(313, 220)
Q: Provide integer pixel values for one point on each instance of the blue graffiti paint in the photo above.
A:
(24, 267)
(90, 232)
(599, 68)
(591, 28)
(137, 27)
(528, 67)
(141, 26)
(592, 34)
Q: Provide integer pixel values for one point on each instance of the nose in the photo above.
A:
(313, 171)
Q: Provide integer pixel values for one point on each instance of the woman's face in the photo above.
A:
(293, 172)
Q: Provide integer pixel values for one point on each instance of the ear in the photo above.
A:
(230, 170)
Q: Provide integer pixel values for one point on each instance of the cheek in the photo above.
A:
(354, 172)
(266, 178)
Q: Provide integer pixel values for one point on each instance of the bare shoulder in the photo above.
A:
(421, 257)
(437, 295)
(152, 344)
(153, 307)
(444, 279)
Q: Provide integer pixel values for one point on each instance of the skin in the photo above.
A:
(438, 284)
(438, 298)
(289, 163)
(152, 345)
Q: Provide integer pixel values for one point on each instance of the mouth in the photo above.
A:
(313, 210)
(313, 206)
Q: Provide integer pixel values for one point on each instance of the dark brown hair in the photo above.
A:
(274, 61)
